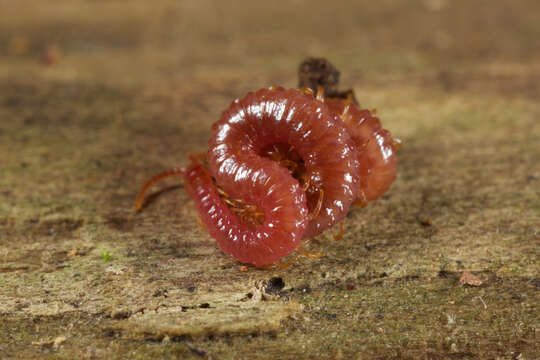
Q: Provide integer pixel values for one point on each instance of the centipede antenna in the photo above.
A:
(309, 254)
(153, 180)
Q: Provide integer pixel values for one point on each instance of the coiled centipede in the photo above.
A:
(283, 165)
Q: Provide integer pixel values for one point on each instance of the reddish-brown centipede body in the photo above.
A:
(283, 165)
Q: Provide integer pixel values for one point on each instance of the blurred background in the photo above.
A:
(137, 40)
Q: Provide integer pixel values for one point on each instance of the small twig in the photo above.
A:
(482, 300)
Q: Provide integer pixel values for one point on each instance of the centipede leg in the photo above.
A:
(339, 235)
(152, 181)
(345, 111)
(279, 264)
(306, 253)
(201, 224)
(286, 264)
(306, 185)
(397, 143)
(360, 201)
(306, 90)
(318, 207)
(350, 98)
(320, 94)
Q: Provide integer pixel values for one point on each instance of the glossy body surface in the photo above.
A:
(376, 149)
(341, 155)
(278, 116)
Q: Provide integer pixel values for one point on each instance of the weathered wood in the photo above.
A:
(95, 97)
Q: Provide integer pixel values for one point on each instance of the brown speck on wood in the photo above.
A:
(469, 279)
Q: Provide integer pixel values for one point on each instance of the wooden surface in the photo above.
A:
(97, 96)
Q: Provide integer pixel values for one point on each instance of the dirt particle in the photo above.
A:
(275, 284)
(331, 316)
(54, 343)
(469, 279)
(319, 72)
(304, 289)
(424, 221)
(108, 333)
(160, 292)
(51, 55)
(120, 314)
(200, 353)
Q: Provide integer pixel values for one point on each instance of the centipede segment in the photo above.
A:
(376, 148)
(285, 165)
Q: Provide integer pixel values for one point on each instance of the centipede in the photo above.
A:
(283, 166)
